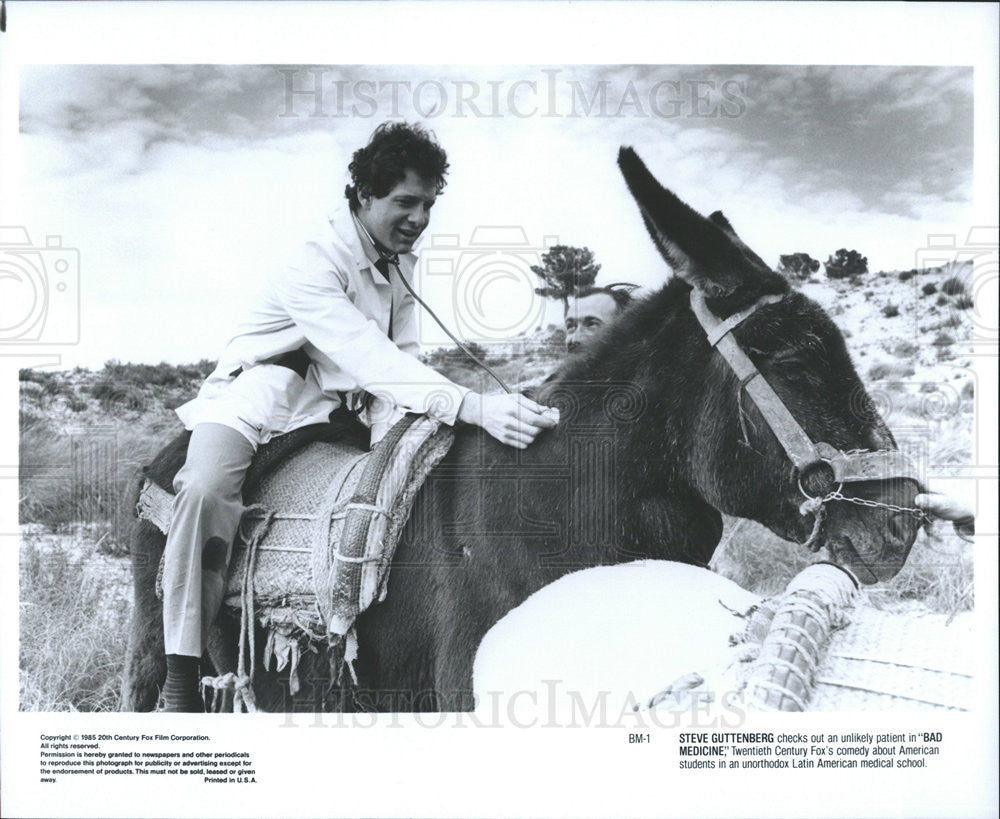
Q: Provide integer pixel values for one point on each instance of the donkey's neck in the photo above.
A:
(652, 367)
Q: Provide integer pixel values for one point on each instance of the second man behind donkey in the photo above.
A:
(327, 332)
(590, 309)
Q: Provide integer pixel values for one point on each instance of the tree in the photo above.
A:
(564, 269)
(846, 263)
(797, 265)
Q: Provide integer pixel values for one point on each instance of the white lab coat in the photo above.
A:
(335, 304)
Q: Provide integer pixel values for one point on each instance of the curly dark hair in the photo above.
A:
(394, 148)
(621, 292)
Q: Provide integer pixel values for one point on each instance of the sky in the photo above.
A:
(182, 186)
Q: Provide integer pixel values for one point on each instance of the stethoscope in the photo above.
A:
(394, 262)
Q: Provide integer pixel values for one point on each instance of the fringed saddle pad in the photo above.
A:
(822, 650)
(319, 533)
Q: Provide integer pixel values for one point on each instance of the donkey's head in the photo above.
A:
(778, 412)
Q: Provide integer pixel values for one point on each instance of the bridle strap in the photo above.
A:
(847, 467)
(723, 327)
(793, 439)
(855, 467)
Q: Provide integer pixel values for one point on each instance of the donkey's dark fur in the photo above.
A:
(654, 442)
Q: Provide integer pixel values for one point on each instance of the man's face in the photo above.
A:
(586, 319)
(397, 219)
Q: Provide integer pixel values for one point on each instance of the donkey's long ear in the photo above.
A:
(718, 218)
(703, 253)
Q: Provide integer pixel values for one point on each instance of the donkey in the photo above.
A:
(657, 439)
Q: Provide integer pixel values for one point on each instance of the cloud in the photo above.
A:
(183, 185)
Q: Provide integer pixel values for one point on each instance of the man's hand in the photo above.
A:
(948, 508)
(943, 506)
(513, 419)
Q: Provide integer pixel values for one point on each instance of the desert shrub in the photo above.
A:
(50, 384)
(964, 302)
(890, 311)
(846, 264)
(906, 349)
(797, 265)
(154, 375)
(31, 376)
(120, 397)
(943, 340)
(883, 371)
(72, 642)
(942, 300)
(877, 372)
(906, 275)
(929, 289)
(445, 356)
(953, 286)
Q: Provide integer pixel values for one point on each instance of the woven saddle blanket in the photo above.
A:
(317, 540)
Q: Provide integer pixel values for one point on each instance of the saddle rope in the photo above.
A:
(241, 683)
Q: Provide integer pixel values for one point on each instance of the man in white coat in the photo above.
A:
(332, 330)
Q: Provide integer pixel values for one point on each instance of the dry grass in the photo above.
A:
(72, 628)
(80, 475)
(938, 573)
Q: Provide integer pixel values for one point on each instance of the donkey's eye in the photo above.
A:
(792, 366)
(788, 359)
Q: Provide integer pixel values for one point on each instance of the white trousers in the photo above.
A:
(207, 511)
(208, 505)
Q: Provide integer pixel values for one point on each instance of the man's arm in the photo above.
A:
(315, 298)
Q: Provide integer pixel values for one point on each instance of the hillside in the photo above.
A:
(83, 432)
(913, 326)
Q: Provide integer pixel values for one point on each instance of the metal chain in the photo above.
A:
(817, 503)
